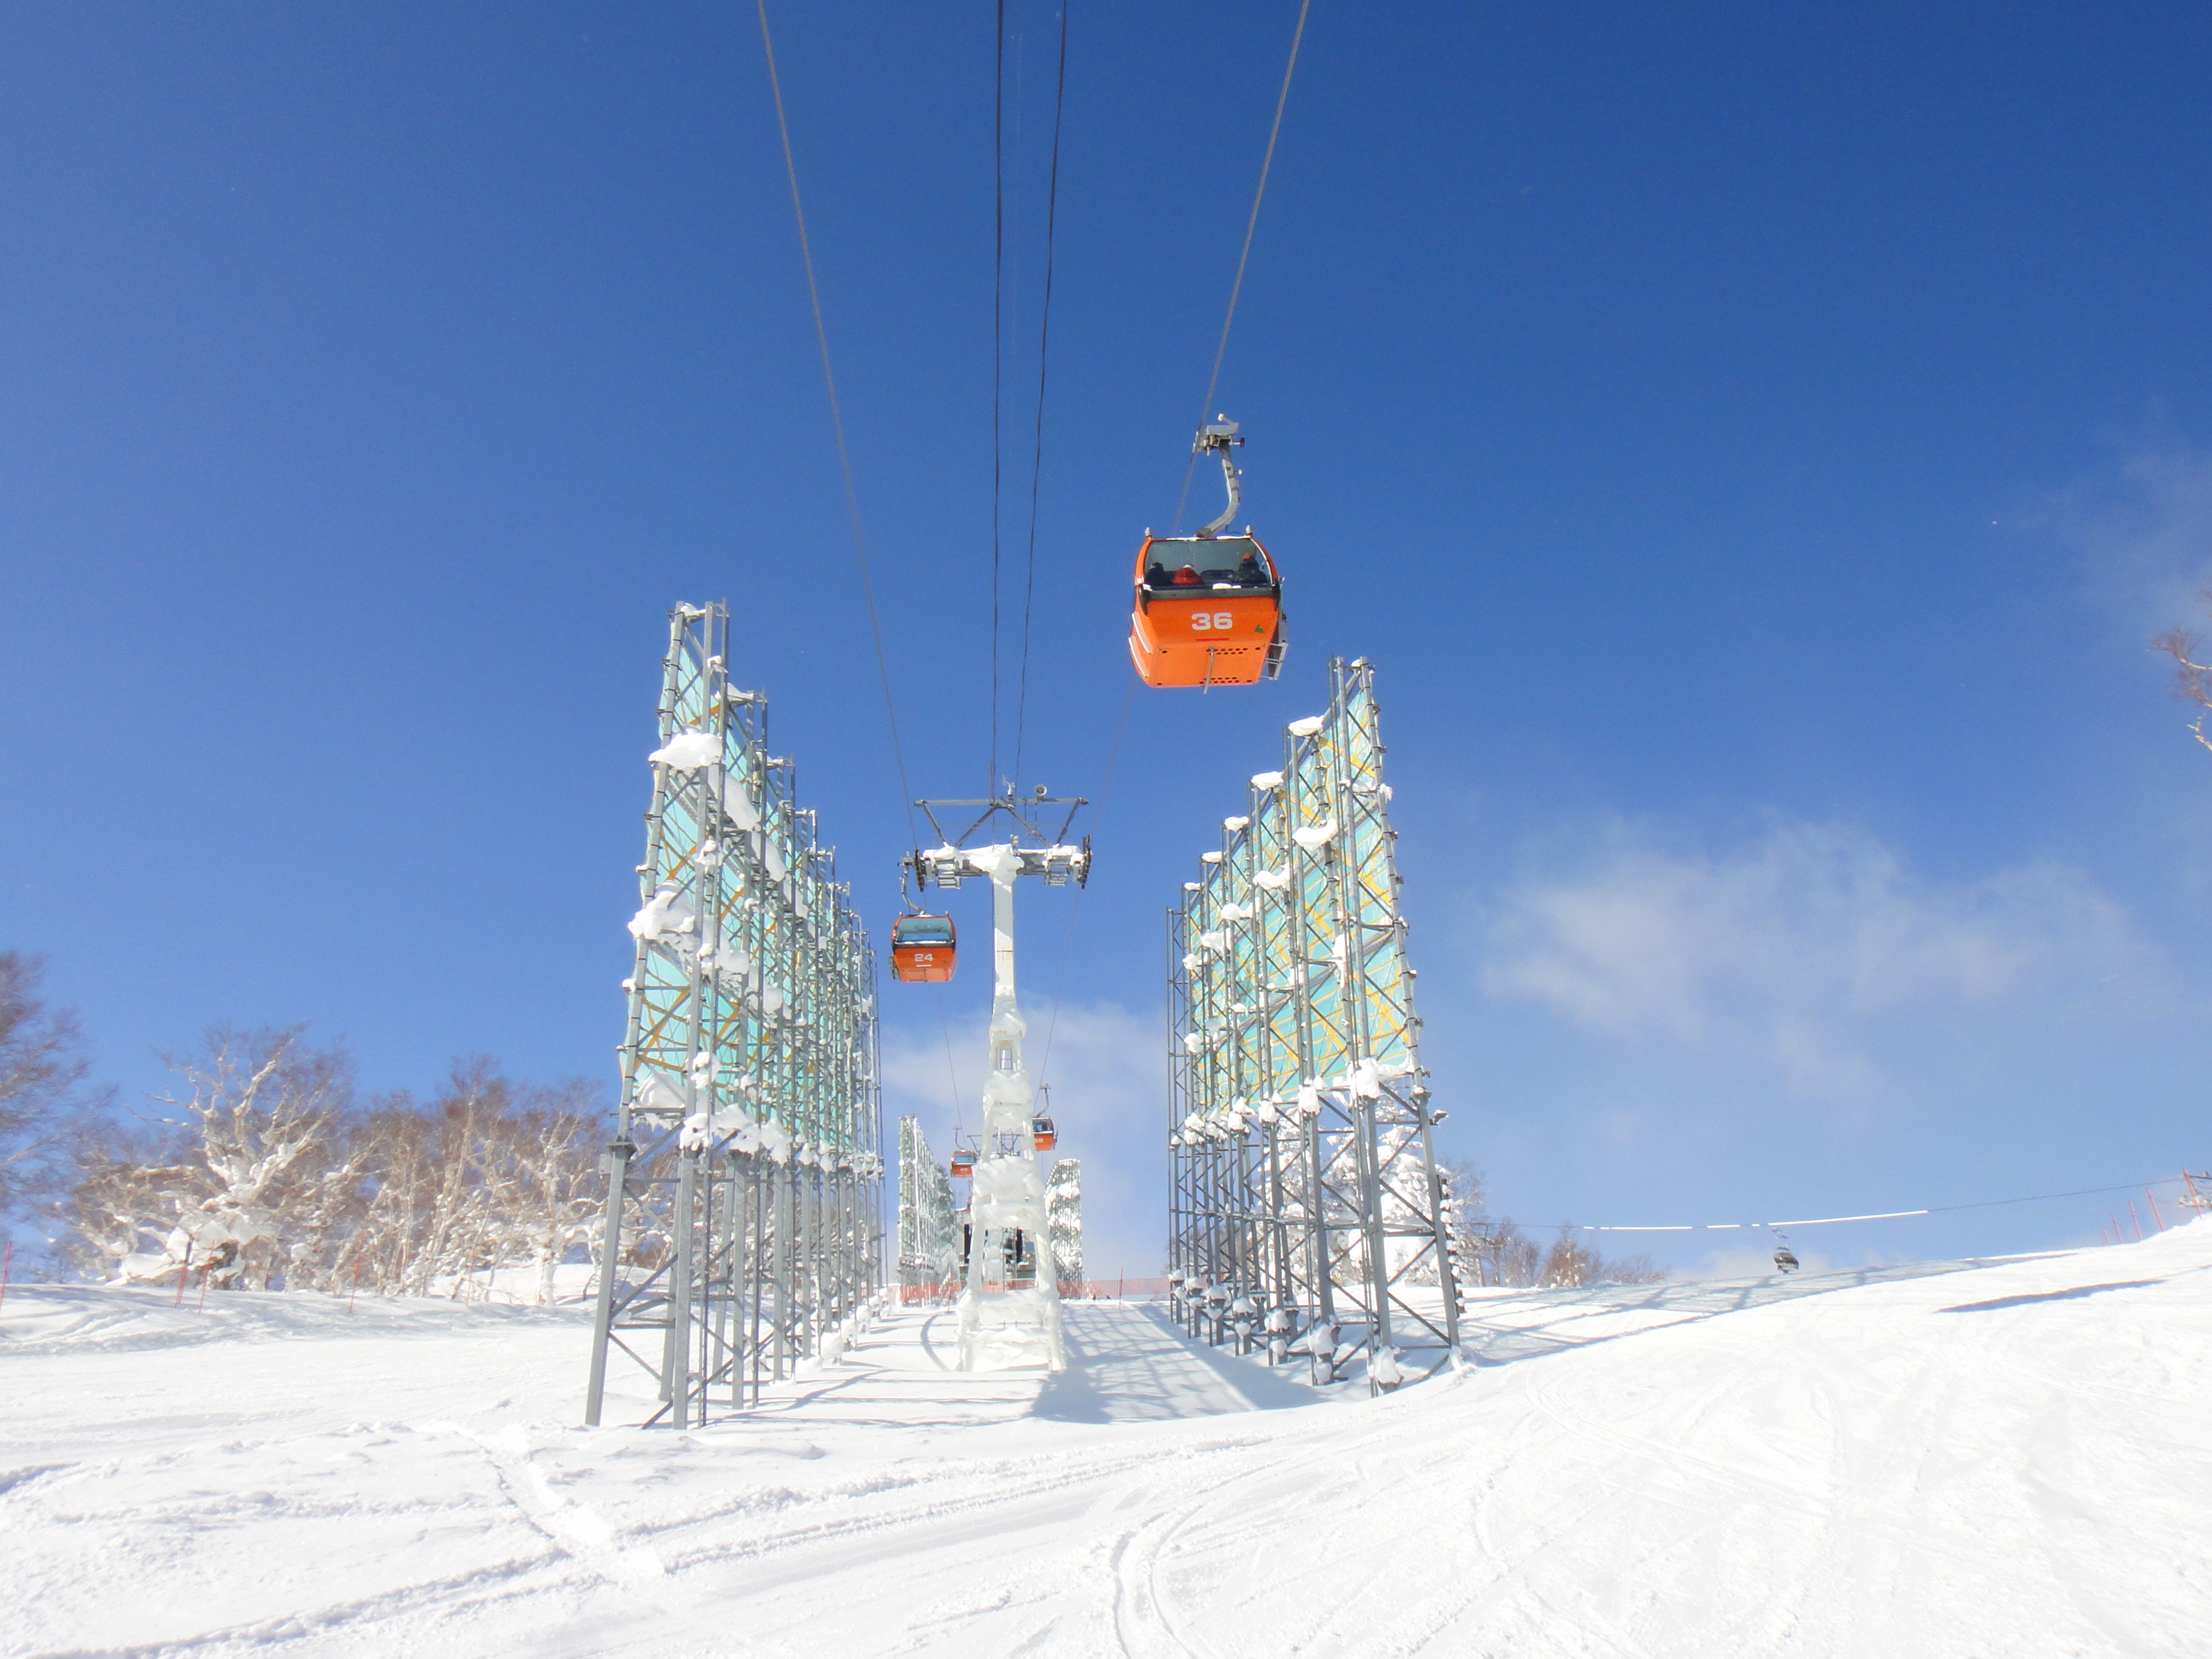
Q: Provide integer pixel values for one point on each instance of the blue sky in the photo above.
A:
(1753, 447)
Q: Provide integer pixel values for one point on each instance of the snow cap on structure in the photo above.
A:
(1006, 1192)
(738, 802)
(992, 861)
(659, 1092)
(1315, 836)
(687, 751)
(1008, 1088)
(666, 912)
(725, 959)
(1267, 780)
(1308, 726)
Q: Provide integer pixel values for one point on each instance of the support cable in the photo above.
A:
(1250, 225)
(951, 1071)
(998, 355)
(1075, 910)
(1882, 1215)
(838, 420)
(1044, 342)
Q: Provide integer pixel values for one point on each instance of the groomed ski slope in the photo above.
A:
(1982, 1459)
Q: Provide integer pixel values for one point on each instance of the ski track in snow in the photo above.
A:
(1954, 1461)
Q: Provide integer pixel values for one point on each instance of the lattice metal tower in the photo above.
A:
(1306, 1214)
(1063, 1219)
(929, 1228)
(742, 1231)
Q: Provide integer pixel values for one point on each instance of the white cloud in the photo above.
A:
(1108, 1073)
(1789, 950)
(2145, 533)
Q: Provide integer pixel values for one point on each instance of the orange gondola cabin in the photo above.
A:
(1208, 611)
(922, 950)
(1209, 607)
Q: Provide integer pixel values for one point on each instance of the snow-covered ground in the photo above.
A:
(1981, 1458)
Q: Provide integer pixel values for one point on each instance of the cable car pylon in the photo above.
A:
(1009, 1307)
(1208, 608)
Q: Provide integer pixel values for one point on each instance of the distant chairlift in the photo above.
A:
(922, 949)
(1785, 1259)
(1209, 608)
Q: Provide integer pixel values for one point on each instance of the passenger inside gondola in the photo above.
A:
(1221, 562)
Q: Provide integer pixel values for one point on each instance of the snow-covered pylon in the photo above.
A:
(1010, 1309)
(1010, 1304)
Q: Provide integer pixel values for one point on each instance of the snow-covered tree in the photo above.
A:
(264, 1172)
(239, 1169)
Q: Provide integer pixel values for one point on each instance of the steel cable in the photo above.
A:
(838, 420)
(1881, 1215)
(1044, 344)
(1251, 224)
(1075, 910)
(998, 296)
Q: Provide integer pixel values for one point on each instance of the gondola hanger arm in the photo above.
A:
(1219, 435)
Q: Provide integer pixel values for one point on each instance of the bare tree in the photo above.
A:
(1570, 1264)
(1466, 1218)
(489, 1174)
(42, 1073)
(546, 1182)
(2192, 680)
